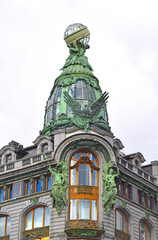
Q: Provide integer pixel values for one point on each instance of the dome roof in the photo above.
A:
(76, 88)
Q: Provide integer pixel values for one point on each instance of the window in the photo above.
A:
(84, 174)
(48, 182)
(10, 192)
(82, 92)
(4, 226)
(1, 194)
(27, 187)
(37, 186)
(129, 191)
(144, 231)
(45, 148)
(121, 221)
(9, 158)
(36, 218)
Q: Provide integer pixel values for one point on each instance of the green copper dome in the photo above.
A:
(76, 97)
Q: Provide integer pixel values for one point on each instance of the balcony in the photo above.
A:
(36, 233)
(35, 159)
(122, 235)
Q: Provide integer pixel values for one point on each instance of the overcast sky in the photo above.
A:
(123, 53)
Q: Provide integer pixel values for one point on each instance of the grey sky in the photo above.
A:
(123, 54)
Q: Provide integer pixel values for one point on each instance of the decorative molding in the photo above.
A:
(124, 203)
(36, 233)
(34, 200)
(84, 232)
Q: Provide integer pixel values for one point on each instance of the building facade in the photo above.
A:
(75, 182)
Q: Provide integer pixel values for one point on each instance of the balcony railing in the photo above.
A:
(5, 238)
(25, 162)
(136, 170)
(122, 235)
(36, 233)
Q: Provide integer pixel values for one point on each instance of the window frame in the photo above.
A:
(84, 196)
(35, 184)
(6, 222)
(9, 160)
(33, 217)
(9, 191)
(145, 226)
(123, 215)
(26, 186)
(46, 182)
(43, 147)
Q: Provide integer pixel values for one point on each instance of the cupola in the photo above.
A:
(76, 97)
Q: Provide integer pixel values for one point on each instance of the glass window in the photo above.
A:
(73, 209)
(38, 217)
(37, 185)
(4, 225)
(84, 190)
(45, 148)
(10, 191)
(84, 209)
(48, 182)
(27, 187)
(1, 194)
(144, 231)
(121, 221)
(84, 174)
(94, 210)
(9, 158)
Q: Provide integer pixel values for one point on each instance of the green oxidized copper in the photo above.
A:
(89, 114)
(60, 174)
(84, 232)
(109, 186)
(76, 68)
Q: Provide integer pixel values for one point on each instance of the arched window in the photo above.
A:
(38, 217)
(84, 176)
(144, 231)
(121, 225)
(45, 147)
(121, 221)
(4, 226)
(9, 158)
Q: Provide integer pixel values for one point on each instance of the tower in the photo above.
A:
(74, 182)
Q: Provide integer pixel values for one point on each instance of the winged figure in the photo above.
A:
(82, 117)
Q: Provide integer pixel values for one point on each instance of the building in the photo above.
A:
(75, 182)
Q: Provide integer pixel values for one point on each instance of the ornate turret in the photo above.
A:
(76, 97)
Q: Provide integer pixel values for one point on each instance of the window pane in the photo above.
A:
(71, 90)
(73, 209)
(84, 154)
(28, 224)
(147, 233)
(78, 93)
(84, 174)
(77, 156)
(8, 226)
(1, 195)
(28, 187)
(142, 231)
(73, 162)
(57, 109)
(73, 176)
(84, 209)
(2, 226)
(38, 185)
(92, 94)
(38, 218)
(94, 178)
(91, 157)
(78, 84)
(118, 220)
(47, 217)
(85, 93)
(94, 210)
(48, 182)
(124, 224)
(10, 192)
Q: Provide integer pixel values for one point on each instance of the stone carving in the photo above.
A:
(34, 200)
(77, 50)
(60, 175)
(109, 186)
(83, 117)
